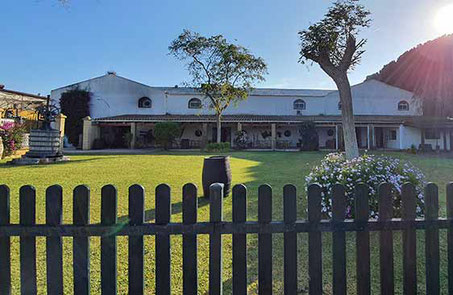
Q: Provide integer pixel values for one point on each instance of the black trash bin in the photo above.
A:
(216, 169)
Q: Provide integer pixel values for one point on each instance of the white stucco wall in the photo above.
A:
(114, 95)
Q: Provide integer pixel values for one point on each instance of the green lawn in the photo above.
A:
(176, 169)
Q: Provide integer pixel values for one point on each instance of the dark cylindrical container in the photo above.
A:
(216, 169)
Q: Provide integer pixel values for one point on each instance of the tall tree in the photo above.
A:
(332, 43)
(221, 71)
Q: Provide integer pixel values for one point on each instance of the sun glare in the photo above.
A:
(444, 20)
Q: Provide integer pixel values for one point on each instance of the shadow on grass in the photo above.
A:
(38, 166)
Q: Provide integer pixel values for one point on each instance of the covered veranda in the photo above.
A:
(263, 132)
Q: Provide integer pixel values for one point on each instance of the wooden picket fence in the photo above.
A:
(162, 228)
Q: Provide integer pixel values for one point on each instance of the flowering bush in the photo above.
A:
(370, 170)
(12, 136)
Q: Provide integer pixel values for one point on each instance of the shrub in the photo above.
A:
(309, 140)
(12, 135)
(75, 105)
(370, 170)
(221, 147)
(166, 132)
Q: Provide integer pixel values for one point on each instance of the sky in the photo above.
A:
(44, 45)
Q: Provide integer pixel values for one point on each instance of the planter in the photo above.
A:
(216, 169)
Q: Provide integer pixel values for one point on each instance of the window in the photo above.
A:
(339, 105)
(287, 133)
(144, 102)
(432, 134)
(392, 134)
(299, 104)
(194, 103)
(403, 106)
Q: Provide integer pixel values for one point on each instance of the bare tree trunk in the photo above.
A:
(347, 116)
(219, 128)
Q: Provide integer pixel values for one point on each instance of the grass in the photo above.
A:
(176, 169)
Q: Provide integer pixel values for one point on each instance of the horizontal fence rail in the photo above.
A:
(136, 228)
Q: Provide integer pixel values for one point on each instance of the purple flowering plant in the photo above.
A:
(371, 170)
(12, 136)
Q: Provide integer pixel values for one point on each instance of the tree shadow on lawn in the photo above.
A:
(38, 166)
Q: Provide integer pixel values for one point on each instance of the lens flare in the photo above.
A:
(444, 20)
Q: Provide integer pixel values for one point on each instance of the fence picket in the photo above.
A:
(189, 241)
(108, 242)
(450, 237)
(27, 208)
(239, 241)
(409, 240)
(54, 247)
(362, 240)
(314, 240)
(163, 213)
(339, 240)
(386, 240)
(264, 241)
(5, 246)
(136, 250)
(432, 241)
(290, 239)
(215, 240)
(81, 245)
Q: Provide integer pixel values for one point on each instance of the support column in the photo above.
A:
(274, 136)
(134, 135)
(204, 135)
(444, 131)
(401, 137)
(337, 142)
(373, 137)
(368, 136)
(422, 133)
(90, 133)
(59, 125)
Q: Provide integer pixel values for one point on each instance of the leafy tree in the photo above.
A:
(75, 105)
(221, 71)
(332, 43)
(166, 132)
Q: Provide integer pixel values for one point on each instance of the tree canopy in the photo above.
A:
(221, 71)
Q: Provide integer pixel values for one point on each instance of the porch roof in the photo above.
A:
(430, 122)
(362, 119)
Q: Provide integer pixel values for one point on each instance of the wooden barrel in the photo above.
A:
(216, 169)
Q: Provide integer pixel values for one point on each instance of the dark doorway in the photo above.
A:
(379, 134)
(225, 136)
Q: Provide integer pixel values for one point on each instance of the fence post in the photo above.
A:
(450, 236)
(264, 240)
(314, 240)
(338, 240)
(27, 204)
(432, 241)
(54, 248)
(386, 240)
(5, 246)
(239, 241)
(409, 240)
(163, 213)
(215, 240)
(189, 241)
(136, 252)
(290, 239)
(81, 245)
(362, 240)
(108, 242)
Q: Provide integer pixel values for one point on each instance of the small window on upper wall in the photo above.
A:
(194, 103)
(145, 102)
(299, 104)
(403, 106)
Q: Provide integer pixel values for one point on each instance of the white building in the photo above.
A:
(386, 117)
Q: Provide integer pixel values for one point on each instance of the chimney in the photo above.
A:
(111, 73)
